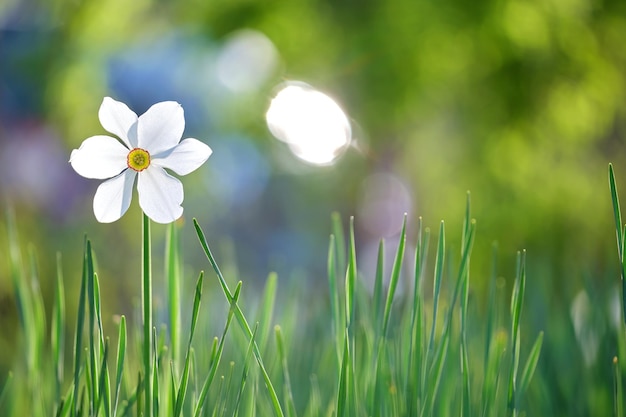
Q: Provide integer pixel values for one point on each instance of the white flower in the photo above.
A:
(149, 143)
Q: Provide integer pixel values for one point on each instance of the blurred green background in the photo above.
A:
(522, 102)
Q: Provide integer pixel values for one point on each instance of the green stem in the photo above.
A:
(146, 303)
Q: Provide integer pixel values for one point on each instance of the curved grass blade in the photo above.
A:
(246, 368)
(216, 353)
(240, 318)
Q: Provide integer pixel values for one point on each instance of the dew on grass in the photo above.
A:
(312, 124)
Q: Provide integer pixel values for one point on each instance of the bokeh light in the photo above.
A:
(310, 122)
(245, 62)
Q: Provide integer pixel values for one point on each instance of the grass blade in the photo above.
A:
(395, 276)
(282, 356)
(266, 309)
(531, 364)
(216, 353)
(342, 392)
(377, 301)
(57, 329)
(240, 318)
(246, 368)
(441, 247)
(350, 277)
(182, 389)
(121, 355)
(517, 298)
(617, 214)
(78, 336)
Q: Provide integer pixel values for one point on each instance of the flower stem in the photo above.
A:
(146, 302)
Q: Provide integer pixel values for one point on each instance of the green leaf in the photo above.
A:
(531, 364)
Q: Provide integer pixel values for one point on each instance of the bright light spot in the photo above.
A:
(246, 61)
(311, 123)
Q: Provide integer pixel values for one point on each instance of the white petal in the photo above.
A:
(186, 157)
(160, 194)
(160, 128)
(113, 197)
(99, 157)
(118, 119)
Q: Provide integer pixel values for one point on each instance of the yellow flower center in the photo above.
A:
(138, 159)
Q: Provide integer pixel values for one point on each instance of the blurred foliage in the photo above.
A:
(521, 102)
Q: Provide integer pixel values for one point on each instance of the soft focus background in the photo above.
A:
(521, 102)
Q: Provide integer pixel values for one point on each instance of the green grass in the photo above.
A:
(345, 352)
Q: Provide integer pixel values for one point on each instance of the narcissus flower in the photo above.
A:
(148, 145)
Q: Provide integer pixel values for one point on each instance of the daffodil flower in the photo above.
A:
(148, 145)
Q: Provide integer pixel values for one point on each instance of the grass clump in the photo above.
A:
(355, 352)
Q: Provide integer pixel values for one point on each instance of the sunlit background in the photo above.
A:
(372, 109)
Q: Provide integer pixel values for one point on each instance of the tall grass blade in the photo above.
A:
(282, 356)
(333, 289)
(439, 262)
(340, 241)
(146, 303)
(350, 277)
(617, 214)
(92, 349)
(121, 355)
(216, 353)
(182, 390)
(415, 359)
(466, 391)
(395, 276)
(57, 329)
(103, 383)
(246, 368)
(377, 301)
(531, 364)
(78, 335)
(516, 312)
(266, 310)
(620, 232)
(240, 318)
(342, 392)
